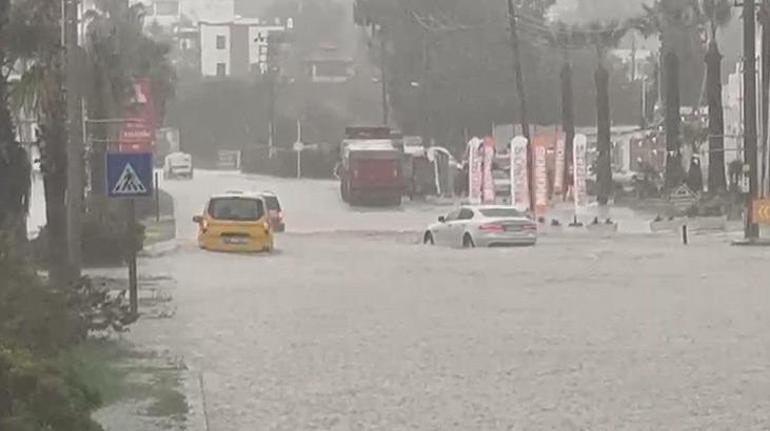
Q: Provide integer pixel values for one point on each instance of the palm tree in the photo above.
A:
(566, 38)
(34, 37)
(673, 21)
(14, 162)
(604, 37)
(118, 51)
(717, 14)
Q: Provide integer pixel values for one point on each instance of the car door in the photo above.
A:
(443, 231)
(460, 226)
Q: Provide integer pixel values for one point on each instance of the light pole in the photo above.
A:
(75, 147)
(751, 230)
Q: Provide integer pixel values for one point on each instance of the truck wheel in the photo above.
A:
(428, 239)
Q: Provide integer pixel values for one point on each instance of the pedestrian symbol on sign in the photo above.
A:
(129, 183)
(129, 175)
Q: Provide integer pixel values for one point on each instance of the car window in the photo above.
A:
(454, 215)
(501, 212)
(466, 214)
(272, 203)
(236, 209)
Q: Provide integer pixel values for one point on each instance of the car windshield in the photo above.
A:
(272, 203)
(501, 212)
(236, 209)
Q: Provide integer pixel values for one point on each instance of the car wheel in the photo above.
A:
(468, 241)
(428, 239)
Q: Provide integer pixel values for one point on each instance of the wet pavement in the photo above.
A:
(352, 325)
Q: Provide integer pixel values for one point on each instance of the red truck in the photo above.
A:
(371, 168)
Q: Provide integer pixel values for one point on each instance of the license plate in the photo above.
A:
(236, 241)
(513, 228)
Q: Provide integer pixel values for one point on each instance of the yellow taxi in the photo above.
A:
(235, 222)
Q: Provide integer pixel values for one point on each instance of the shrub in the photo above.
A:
(38, 323)
(37, 396)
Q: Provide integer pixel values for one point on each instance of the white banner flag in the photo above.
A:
(580, 190)
(519, 174)
(558, 175)
(475, 170)
(488, 187)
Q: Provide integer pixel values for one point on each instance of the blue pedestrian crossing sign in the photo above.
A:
(129, 175)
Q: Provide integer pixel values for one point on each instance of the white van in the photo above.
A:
(178, 165)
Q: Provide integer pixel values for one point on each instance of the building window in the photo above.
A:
(221, 70)
(221, 42)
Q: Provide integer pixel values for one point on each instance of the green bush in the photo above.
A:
(35, 395)
(39, 323)
(104, 242)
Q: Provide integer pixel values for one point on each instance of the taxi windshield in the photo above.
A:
(236, 209)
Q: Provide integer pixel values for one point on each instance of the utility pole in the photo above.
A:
(384, 82)
(751, 230)
(271, 78)
(75, 147)
(519, 76)
(764, 19)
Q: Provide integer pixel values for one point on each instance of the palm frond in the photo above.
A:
(26, 93)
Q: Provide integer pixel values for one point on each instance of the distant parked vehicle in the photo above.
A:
(178, 165)
(482, 226)
(274, 211)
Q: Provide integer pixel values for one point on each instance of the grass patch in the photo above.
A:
(119, 374)
(156, 232)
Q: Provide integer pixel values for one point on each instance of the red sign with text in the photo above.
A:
(137, 135)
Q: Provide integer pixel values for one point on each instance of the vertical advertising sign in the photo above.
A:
(540, 149)
(475, 170)
(138, 135)
(519, 174)
(488, 190)
(580, 166)
(558, 175)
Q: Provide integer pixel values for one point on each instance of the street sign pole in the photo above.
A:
(157, 197)
(129, 176)
(132, 277)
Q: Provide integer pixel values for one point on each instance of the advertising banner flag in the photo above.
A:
(580, 166)
(138, 134)
(558, 175)
(519, 174)
(488, 186)
(540, 149)
(475, 170)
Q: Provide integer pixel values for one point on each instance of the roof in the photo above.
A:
(370, 145)
(490, 207)
(237, 194)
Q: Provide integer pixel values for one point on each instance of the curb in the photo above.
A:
(160, 249)
(197, 419)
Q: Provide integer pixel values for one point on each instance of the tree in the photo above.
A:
(34, 38)
(604, 37)
(118, 51)
(676, 22)
(674, 171)
(14, 162)
(717, 14)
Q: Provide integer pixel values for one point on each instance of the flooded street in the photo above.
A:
(350, 328)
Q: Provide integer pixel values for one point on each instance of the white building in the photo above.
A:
(236, 48)
(165, 13)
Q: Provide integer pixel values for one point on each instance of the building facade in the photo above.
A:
(238, 48)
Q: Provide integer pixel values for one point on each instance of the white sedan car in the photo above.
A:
(482, 226)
